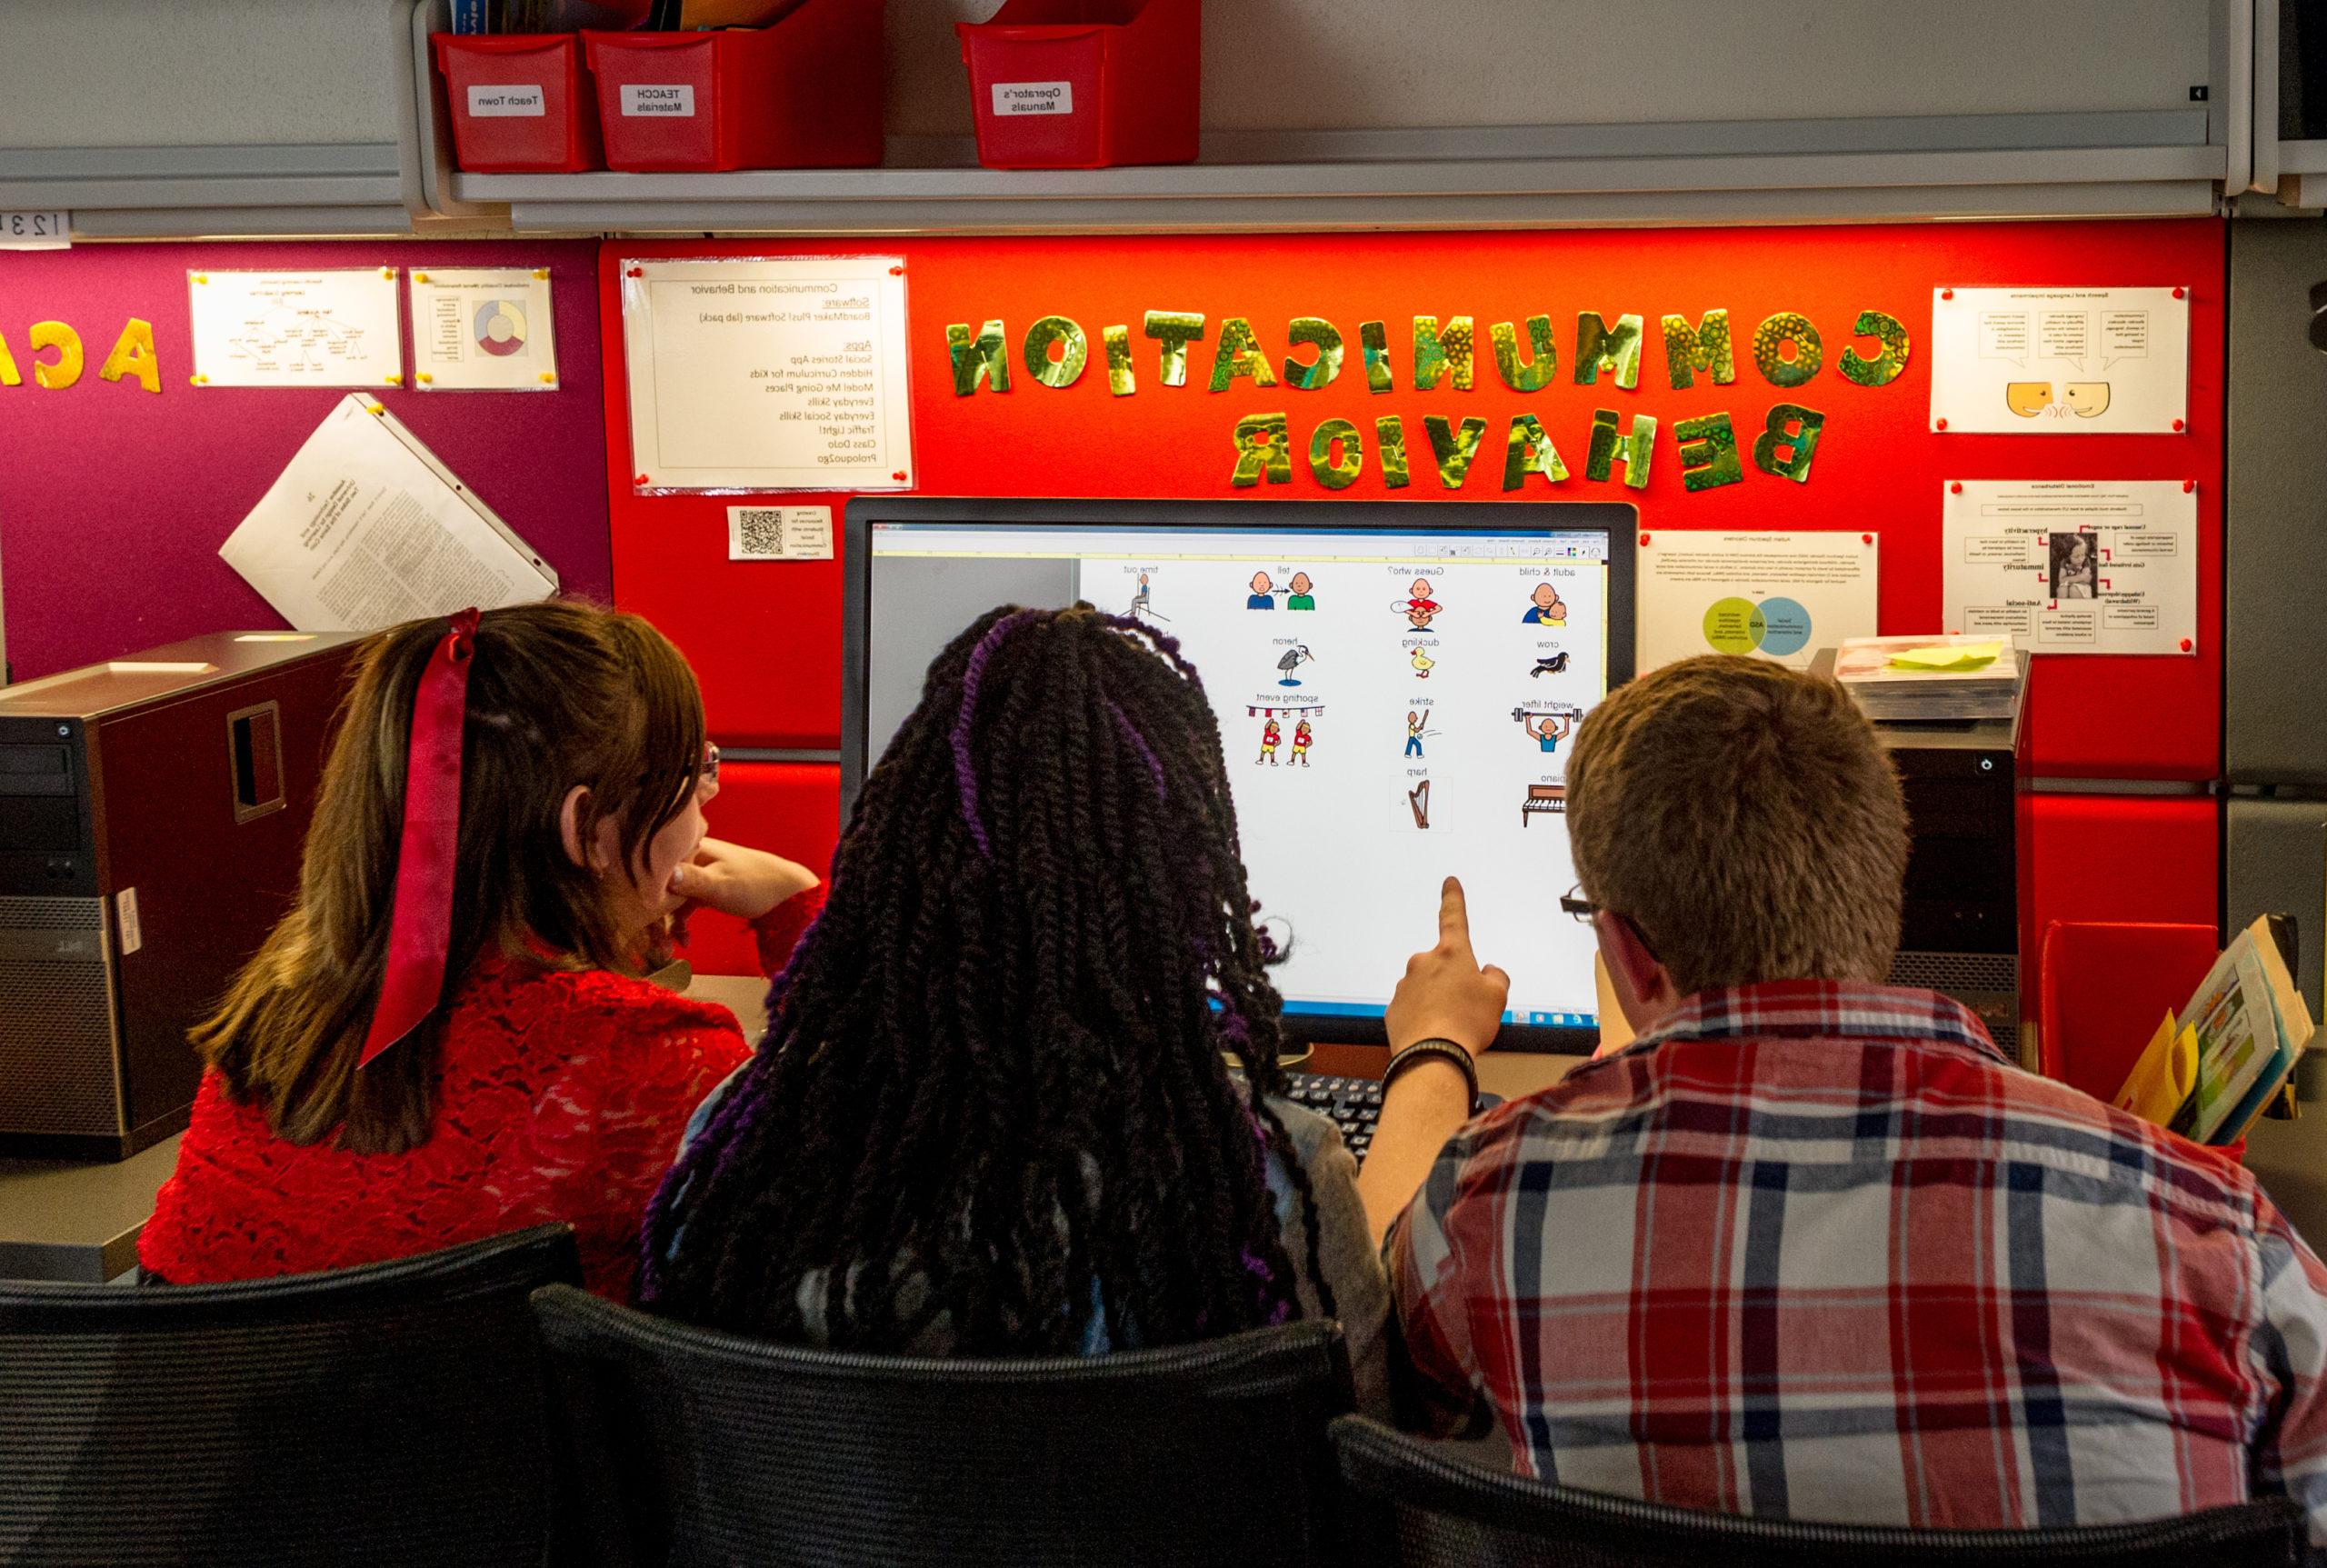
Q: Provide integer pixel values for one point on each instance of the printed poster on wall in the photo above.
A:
(2060, 361)
(2073, 566)
(1781, 596)
(329, 328)
(768, 372)
(481, 329)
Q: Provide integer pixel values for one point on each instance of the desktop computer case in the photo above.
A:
(152, 811)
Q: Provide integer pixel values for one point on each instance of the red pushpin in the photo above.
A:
(898, 270)
(899, 477)
(1947, 294)
(2177, 425)
(1866, 538)
(2177, 294)
(2185, 642)
(2188, 486)
(636, 272)
(645, 480)
(1644, 538)
(1955, 487)
(1939, 424)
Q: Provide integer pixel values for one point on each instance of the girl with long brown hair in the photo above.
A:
(450, 1034)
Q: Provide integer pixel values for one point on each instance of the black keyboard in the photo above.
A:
(1354, 1104)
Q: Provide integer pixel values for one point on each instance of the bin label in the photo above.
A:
(640, 99)
(504, 103)
(1034, 97)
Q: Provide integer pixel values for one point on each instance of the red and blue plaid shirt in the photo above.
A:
(1819, 1250)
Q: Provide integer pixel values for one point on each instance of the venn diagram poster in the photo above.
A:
(481, 329)
(1781, 596)
(2060, 361)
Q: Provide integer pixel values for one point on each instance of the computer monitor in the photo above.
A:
(1397, 687)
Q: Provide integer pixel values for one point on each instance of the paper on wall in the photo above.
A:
(2060, 361)
(481, 329)
(2073, 566)
(366, 528)
(1782, 596)
(295, 328)
(768, 374)
(779, 533)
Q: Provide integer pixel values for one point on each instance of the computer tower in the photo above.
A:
(151, 811)
(1965, 786)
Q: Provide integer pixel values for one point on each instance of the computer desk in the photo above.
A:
(1509, 1073)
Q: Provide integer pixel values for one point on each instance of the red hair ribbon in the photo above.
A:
(420, 928)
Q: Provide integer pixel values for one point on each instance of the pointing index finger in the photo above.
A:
(1453, 917)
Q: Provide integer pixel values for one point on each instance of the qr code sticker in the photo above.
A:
(759, 531)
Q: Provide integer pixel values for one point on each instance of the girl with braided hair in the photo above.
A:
(992, 1115)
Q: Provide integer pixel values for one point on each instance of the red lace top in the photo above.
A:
(562, 1097)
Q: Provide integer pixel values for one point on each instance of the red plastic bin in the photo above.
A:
(1084, 84)
(802, 92)
(518, 104)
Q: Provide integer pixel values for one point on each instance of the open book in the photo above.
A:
(2209, 1075)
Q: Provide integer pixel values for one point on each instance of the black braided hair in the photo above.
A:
(991, 1086)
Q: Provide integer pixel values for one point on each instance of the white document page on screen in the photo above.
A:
(1424, 753)
(366, 528)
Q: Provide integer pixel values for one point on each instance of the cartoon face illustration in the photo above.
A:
(2086, 399)
(1420, 609)
(2027, 398)
(1261, 596)
(1302, 598)
(1547, 608)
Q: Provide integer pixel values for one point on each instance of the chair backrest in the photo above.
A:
(684, 1447)
(391, 1415)
(1430, 1509)
(2105, 987)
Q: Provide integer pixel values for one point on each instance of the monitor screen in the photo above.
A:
(1397, 688)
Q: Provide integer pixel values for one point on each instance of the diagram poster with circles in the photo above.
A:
(1780, 596)
(481, 329)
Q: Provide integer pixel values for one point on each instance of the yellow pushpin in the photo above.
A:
(202, 277)
(542, 273)
(197, 380)
(426, 379)
(375, 408)
(388, 272)
(394, 379)
(549, 380)
(420, 278)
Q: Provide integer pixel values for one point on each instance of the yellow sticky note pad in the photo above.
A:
(1963, 656)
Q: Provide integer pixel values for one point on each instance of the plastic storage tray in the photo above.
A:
(1084, 84)
(803, 92)
(518, 103)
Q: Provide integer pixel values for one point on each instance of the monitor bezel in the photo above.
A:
(1619, 520)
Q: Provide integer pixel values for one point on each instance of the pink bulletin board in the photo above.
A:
(113, 500)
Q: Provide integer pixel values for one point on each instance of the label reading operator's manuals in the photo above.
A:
(676, 102)
(522, 103)
(1034, 97)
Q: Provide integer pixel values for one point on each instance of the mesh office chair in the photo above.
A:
(1426, 1509)
(689, 1448)
(387, 1414)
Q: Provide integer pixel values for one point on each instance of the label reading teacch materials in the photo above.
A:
(779, 533)
(1034, 97)
(507, 102)
(133, 935)
(675, 103)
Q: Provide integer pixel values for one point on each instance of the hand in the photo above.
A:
(734, 880)
(1446, 994)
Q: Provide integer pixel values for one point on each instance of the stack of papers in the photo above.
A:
(1940, 676)
(2247, 1026)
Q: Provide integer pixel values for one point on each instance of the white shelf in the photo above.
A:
(2137, 163)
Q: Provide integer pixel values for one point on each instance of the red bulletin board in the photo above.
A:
(113, 500)
(766, 635)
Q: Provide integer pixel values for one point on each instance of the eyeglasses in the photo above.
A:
(710, 769)
(1575, 904)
